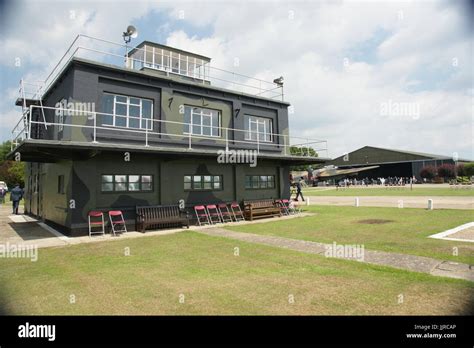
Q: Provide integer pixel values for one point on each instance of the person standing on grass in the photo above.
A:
(15, 196)
(298, 191)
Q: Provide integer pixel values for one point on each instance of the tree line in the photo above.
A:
(12, 172)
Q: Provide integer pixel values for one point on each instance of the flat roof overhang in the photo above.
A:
(50, 151)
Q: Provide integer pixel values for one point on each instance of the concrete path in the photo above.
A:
(402, 261)
(25, 230)
(439, 202)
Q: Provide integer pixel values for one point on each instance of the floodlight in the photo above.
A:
(279, 81)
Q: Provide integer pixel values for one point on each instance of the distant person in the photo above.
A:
(298, 191)
(3, 192)
(15, 196)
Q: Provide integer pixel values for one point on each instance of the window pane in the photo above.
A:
(120, 178)
(255, 181)
(268, 125)
(121, 121)
(149, 56)
(263, 182)
(120, 186)
(217, 185)
(120, 99)
(206, 121)
(134, 118)
(246, 123)
(107, 178)
(146, 186)
(146, 108)
(134, 178)
(175, 62)
(134, 186)
(134, 101)
(108, 108)
(187, 118)
(183, 65)
(187, 182)
(215, 123)
(217, 178)
(107, 187)
(196, 123)
(166, 59)
(207, 182)
(197, 182)
(157, 58)
(191, 67)
(146, 179)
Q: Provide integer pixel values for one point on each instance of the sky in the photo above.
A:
(392, 74)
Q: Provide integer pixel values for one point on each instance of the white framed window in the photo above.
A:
(128, 112)
(200, 121)
(260, 128)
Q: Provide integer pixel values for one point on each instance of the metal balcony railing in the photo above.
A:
(158, 132)
(108, 52)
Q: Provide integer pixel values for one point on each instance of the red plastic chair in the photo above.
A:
(117, 222)
(226, 215)
(94, 222)
(285, 203)
(213, 213)
(201, 214)
(237, 212)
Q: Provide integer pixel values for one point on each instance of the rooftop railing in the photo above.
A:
(156, 133)
(112, 53)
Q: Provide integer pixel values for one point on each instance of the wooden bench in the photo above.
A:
(160, 216)
(260, 209)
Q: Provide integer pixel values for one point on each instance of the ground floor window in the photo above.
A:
(126, 183)
(203, 182)
(259, 181)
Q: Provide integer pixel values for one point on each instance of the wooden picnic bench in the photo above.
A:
(260, 209)
(160, 216)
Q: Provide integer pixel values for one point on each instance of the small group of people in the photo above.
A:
(16, 195)
(390, 181)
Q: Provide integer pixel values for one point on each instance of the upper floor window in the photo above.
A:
(129, 112)
(258, 128)
(201, 121)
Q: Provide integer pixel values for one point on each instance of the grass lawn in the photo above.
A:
(380, 191)
(214, 281)
(407, 233)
